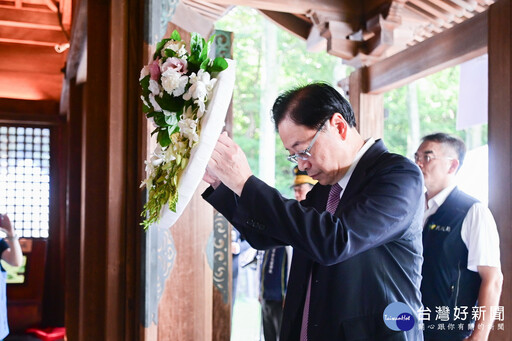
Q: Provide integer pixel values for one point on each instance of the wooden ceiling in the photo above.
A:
(34, 36)
(360, 32)
(34, 33)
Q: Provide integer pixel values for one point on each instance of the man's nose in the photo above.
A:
(303, 165)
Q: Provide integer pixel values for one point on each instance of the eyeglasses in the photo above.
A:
(426, 158)
(305, 154)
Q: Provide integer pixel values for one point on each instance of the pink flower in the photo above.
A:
(154, 70)
(176, 64)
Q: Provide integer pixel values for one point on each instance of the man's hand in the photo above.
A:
(229, 164)
(211, 178)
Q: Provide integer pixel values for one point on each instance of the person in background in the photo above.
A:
(274, 270)
(356, 238)
(460, 248)
(10, 251)
(238, 246)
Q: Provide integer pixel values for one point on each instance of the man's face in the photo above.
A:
(435, 162)
(328, 161)
(301, 191)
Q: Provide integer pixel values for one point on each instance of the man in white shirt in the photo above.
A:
(461, 267)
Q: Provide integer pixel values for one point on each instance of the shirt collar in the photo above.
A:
(440, 197)
(344, 180)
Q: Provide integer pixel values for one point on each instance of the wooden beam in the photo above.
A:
(44, 112)
(342, 10)
(51, 5)
(29, 18)
(14, 56)
(30, 86)
(30, 35)
(500, 144)
(451, 47)
(290, 23)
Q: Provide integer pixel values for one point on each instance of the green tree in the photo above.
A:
(437, 97)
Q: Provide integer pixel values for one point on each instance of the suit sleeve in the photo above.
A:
(227, 203)
(387, 207)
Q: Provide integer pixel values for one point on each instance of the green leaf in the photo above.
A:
(144, 83)
(175, 36)
(204, 64)
(173, 200)
(169, 53)
(163, 138)
(147, 109)
(170, 103)
(159, 47)
(160, 119)
(210, 41)
(196, 43)
(204, 50)
(219, 64)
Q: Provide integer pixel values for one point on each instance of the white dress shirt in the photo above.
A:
(479, 232)
(345, 179)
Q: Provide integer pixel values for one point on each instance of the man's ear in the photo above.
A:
(341, 125)
(454, 166)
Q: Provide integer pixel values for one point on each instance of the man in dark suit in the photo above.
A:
(355, 273)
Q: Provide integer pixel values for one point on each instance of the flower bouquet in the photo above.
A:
(185, 95)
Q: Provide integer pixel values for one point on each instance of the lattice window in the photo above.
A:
(25, 179)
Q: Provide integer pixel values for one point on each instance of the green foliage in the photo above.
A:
(437, 101)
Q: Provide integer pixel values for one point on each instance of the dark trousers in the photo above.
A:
(271, 315)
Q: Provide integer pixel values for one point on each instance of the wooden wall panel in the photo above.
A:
(186, 305)
(500, 145)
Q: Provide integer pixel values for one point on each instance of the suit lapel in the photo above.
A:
(360, 174)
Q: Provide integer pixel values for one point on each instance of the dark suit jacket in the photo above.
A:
(366, 256)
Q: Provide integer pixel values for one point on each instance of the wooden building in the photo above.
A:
(70, 69)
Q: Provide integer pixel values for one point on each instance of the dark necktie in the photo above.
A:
(332, 204)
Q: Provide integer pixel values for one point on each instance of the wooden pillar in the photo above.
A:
(500, 145)
(368, 107)
(103, 231)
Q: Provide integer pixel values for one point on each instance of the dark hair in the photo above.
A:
(454, 142)
(312, 105)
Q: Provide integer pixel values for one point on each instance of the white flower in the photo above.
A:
(154, 87)
(201, 88)
(176, 148)
(174, 82)
(177, 46)
(177, 64)
(189, 112)
(201, 109)
(188, 128)
(182, 52)
(154, 103)
(144, 72)
(144, 101)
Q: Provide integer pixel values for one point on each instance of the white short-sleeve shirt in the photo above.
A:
(479, 232)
